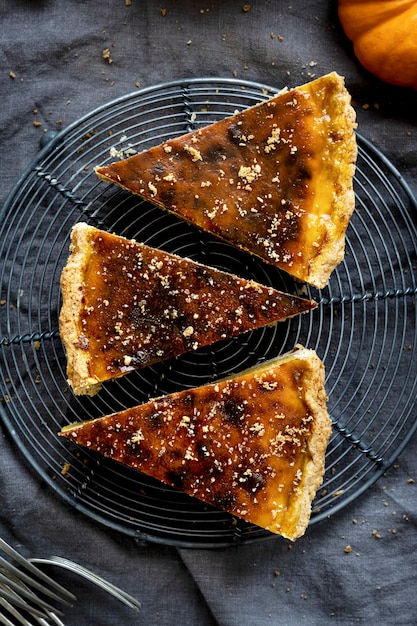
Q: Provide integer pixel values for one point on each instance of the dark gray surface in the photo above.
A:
(55, 51)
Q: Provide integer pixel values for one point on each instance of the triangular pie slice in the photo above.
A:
(127, 305)
(274, 180)
(253, 444)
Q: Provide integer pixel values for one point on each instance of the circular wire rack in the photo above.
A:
(364, 328)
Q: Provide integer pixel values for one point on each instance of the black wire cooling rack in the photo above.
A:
(364, 328)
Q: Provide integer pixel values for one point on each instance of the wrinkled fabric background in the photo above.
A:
(55, 67)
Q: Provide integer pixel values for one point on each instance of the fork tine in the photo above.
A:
(17, 587)
(6, 622)
(33, 570)
(118, 593)
(13, 612)
(17, 601)
(22, 591)
(9, 568)
(53, 617)
(39, 619)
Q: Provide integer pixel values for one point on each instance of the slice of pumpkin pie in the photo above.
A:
(274, 180)
(252, 444)
(127, 305)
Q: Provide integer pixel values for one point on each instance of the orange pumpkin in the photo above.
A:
(384, 36)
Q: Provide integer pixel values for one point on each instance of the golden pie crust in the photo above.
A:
(127, 305)
(252, 444)
(274, 180)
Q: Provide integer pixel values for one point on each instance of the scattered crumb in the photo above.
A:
(246, 8)
(66, 469)
(12, 75)
(348, 549)
(106, 55)
(163, 12)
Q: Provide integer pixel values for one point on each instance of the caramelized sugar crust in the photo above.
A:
(127, 305)
(252, 445)
(274, 180)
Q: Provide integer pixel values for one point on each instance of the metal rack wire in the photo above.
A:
(364, 328)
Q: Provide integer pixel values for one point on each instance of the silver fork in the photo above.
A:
(21, 580)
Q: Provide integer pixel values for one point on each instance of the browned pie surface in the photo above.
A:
(127, 305)
(253, 445)
(274, 180)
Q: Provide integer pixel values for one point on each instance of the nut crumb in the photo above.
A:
(106, 55)
(66, 468)
(152, 189)
(194, 153)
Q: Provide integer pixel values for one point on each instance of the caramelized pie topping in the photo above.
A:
(127, 305)
(253, 444)
(274, 180)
